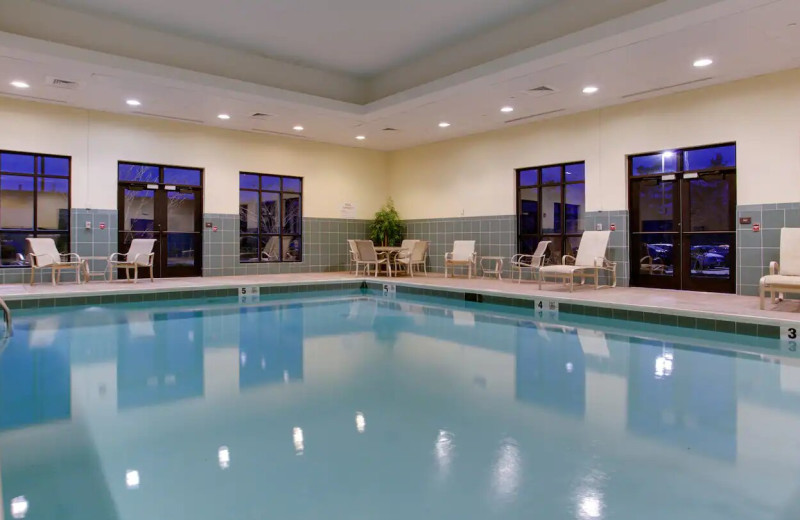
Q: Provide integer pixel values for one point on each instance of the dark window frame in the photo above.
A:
(563, 236)
(37, 175)
(679, 160)
(259, 234)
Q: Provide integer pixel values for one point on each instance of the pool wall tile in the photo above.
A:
(755, 250)
(496, 235)
(324, 247)
(84, 242)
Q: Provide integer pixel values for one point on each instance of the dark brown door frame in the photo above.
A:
(161, 269)
(681, 278)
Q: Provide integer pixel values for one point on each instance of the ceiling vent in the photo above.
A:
(542, 89)
(36, 98)
(272, 132)
(540, 114)
(61, 83)
(171, 118)
(390, 129)
(667, 87)
(260, 115)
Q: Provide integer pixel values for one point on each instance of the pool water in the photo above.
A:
(359, 407)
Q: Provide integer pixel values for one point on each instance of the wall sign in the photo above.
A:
(756, 228)
(745, 220)
(613, 227)
(348, 210)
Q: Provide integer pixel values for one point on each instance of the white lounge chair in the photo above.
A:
(44, 254)
(367, 256)
(463, 254)
(589, 263)
(140, 254)
(783, 276)
(413, 258)
(353, 266)
(531, 263)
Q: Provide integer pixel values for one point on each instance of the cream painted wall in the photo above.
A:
(474, 176)
(332, 174)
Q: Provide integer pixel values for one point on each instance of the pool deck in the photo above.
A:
(685, 303)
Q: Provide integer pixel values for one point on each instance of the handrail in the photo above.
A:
(6, 318)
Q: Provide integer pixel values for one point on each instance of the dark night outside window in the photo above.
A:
(550, 206)
(34, 202)
(270, 218)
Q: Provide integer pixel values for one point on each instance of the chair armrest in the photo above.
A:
(567, 260)
(448, 256)
(774, 268)
(114, 257)
(69, 257)
(522, 260)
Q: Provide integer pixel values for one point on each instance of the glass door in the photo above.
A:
(180, 232)
(709, 234)
(655, 232)
(683, 222)
(166, 204)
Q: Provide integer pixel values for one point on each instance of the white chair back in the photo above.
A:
(408, 244)
(593, 246)
(463, 250)
(418, 252)
(538, 255)
(366, 251)
(45, 247)
(353, 249)
(140, 250)
(790, 251)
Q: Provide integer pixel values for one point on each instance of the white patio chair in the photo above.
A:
(353, 265)
(140, 254)
(783, 276)
(463, 254)
(44, 254)
(590, 262)
(367, 256)
(413, 258)
(531, 263)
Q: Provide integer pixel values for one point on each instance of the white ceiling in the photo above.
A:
(651, 49)
(360, 37)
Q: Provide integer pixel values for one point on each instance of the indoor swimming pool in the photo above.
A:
(356, 406)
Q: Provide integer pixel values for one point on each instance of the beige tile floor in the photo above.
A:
(708, 305)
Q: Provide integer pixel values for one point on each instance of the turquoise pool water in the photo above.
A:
(353, 407)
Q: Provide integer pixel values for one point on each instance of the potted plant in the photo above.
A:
(386, 228)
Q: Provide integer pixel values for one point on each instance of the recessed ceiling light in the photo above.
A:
(591, 89)
(444, 124)
(133, 102)
(19, 84)
(507, 109)
(224, 116)
(360, 137)
(298, 128)
(703, 62)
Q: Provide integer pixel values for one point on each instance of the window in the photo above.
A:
(550, 206)
(34, 202)
(270, 218)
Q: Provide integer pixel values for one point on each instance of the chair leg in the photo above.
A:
(151, 273)
(33, 274)
(135, 275)
(571, 282)
(761, 295)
